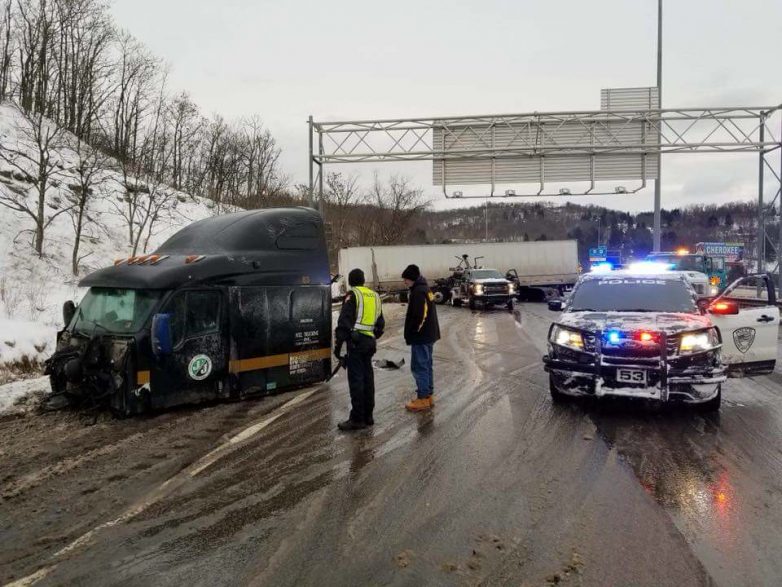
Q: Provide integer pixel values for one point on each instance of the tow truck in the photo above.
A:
(713, 267)
(479, 285)
(651, 336)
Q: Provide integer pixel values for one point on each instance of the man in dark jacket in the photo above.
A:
(421, 332)
(359, 325)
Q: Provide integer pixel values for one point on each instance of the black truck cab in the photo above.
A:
(228, 307)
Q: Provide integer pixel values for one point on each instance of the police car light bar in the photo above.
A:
(649, 267)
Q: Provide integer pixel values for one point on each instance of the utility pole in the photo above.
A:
(657, 182)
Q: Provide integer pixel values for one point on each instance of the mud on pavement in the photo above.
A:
(61, 476)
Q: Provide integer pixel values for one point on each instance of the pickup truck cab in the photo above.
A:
(650, 336)
(483, 286)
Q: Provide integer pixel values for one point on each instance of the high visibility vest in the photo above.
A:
(368, 310)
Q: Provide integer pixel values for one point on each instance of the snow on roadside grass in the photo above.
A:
(13, 394)
(23, 340)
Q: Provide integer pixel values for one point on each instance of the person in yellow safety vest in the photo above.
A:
(359, 325)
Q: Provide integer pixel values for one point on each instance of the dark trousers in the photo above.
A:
(361, 381)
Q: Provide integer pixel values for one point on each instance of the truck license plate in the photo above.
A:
(636, 376)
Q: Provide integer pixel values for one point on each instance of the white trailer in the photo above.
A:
(540, 264)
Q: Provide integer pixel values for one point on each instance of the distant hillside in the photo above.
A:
(630, 233)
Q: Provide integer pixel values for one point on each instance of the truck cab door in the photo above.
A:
(197, 368)
(747, 317)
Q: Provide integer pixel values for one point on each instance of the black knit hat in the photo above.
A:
(356, 278)
(412, 272)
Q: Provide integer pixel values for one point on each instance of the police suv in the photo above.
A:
(649, 335)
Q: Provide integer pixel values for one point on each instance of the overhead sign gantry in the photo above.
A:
(621, 142)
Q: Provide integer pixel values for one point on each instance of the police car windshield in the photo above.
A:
(681, 262)
(632, 294)
(116, 311)
(486, 274)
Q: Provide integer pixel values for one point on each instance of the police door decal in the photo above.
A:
(744, 337)
(200, 367)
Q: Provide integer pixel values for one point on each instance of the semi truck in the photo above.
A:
(228, 307)
(536, 268)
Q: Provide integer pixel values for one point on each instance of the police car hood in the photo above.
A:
(668, 322)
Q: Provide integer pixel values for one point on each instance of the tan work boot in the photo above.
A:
(419, 405)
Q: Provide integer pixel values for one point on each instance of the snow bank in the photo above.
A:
(13, 394)
(32, 289)
(20, 340)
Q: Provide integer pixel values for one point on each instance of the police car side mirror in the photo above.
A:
(68, 311)
(161, 335)
(555, 305)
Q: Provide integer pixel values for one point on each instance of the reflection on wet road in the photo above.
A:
(496, 485)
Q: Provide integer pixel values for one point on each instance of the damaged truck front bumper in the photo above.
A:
(690, 379)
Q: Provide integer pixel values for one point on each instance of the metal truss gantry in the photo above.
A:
(590, 136)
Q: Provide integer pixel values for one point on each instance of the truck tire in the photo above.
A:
(441, 296)
(456, 302)
(471, 303)
(713, 405)
(403, 297)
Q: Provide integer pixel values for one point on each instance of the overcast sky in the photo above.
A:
(349, 59)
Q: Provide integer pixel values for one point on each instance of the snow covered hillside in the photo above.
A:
(33, 289)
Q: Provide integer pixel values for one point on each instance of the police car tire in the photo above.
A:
(713, 405)
(556, 396)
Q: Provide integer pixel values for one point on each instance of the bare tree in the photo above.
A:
(341, 195)
(39, 166)
(397, 203)
(89, 171)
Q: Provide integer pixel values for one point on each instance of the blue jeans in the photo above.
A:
(421, 366)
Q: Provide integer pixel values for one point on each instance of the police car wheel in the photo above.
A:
(713, 405)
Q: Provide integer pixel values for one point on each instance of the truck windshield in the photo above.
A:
(681, 262)
(631, 294)
(486, 274)
(118, 311)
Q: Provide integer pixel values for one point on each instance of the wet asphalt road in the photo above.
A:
(495, 486)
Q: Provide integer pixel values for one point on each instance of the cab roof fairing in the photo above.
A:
(241, 247)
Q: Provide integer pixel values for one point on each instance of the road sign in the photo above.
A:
(597, 254)
(731, 251)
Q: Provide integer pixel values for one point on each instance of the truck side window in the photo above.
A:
(203, 311)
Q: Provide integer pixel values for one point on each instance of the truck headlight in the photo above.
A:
(696, 342)
(566, 337)
(511, 288)
(477, 289)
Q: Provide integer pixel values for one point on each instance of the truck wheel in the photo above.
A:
(713, 405)
(403, 297)
(509, 305)
(457, 302)
(556, 396)
(471, 303)
(439, 297)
